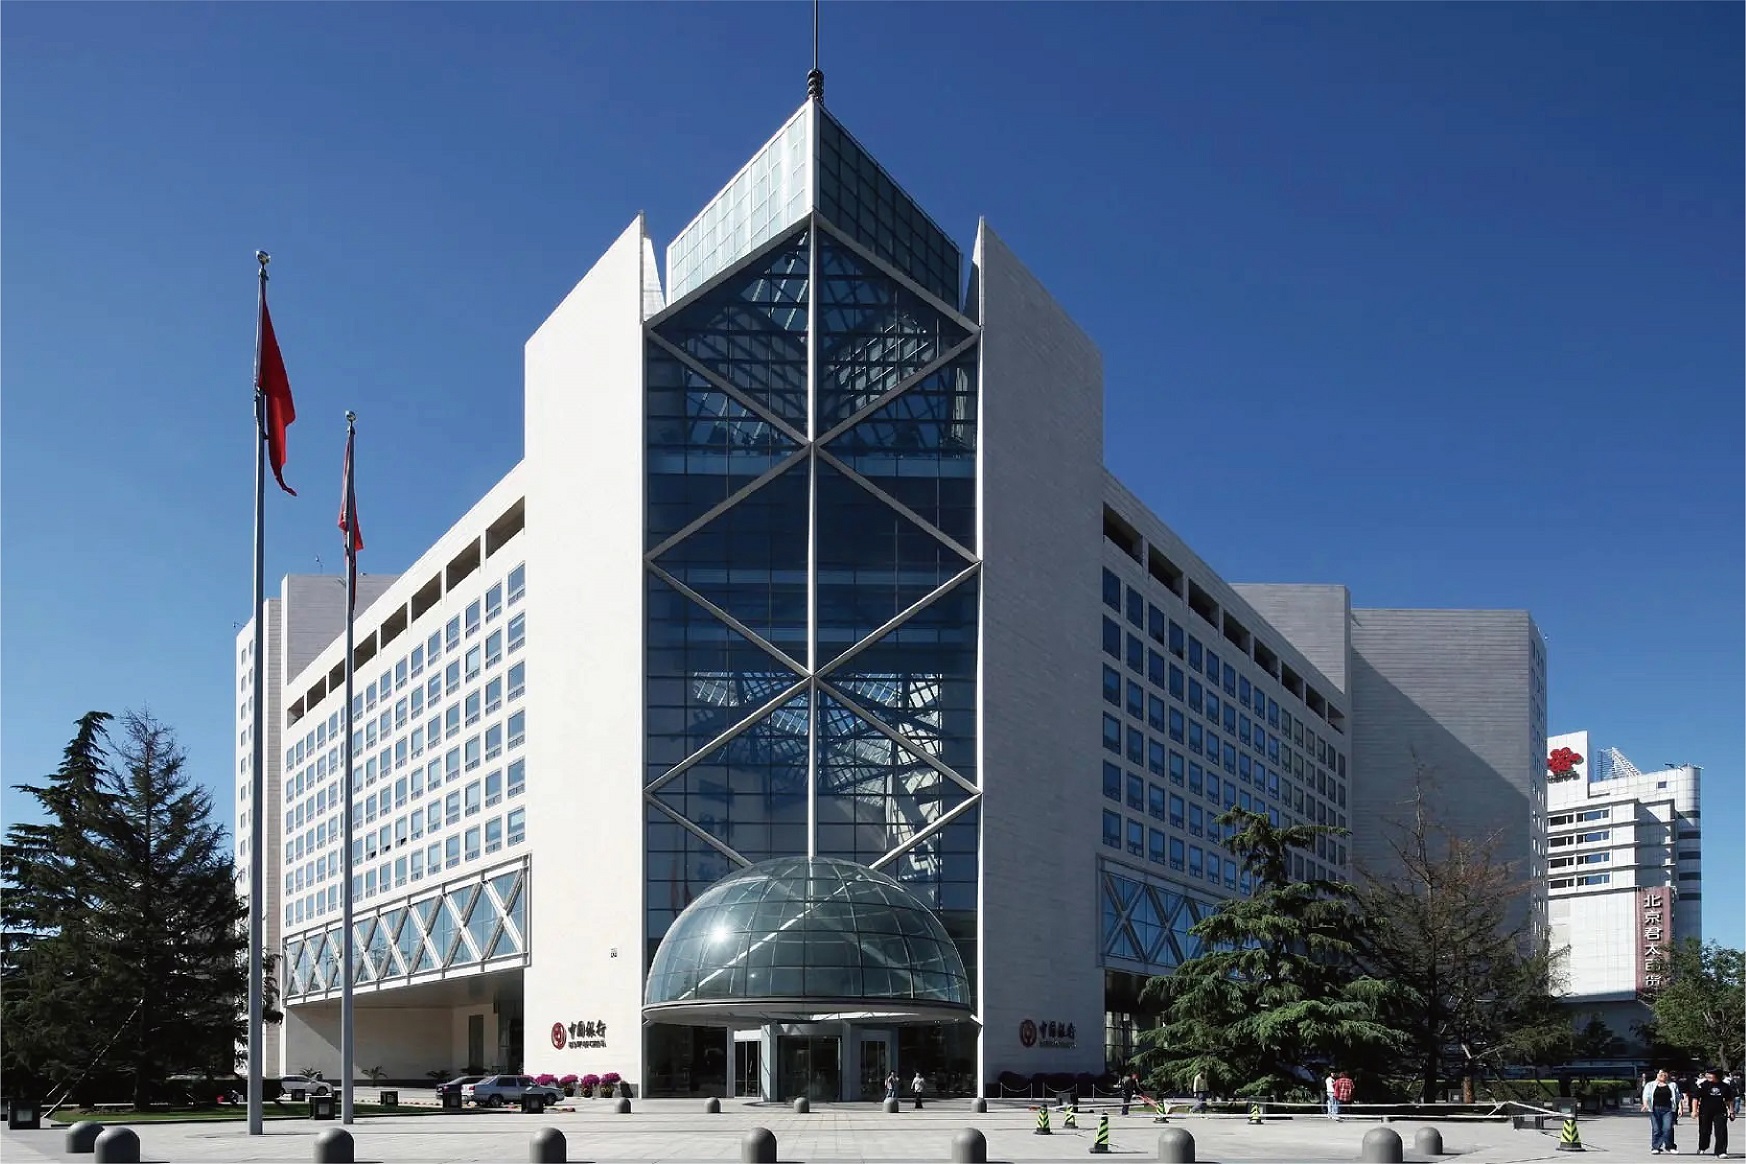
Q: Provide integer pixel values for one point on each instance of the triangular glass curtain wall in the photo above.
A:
(750, 793)
(750, 560)
(873, 793)
(703, 445)
(873, 332)
(751, 330)
(703, 678)
(921, 449)
(920, 678)
(873, 563)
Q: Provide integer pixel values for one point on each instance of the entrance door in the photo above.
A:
(475, 1042)
(809, 1067)
(875, 1065)
(748, 1067)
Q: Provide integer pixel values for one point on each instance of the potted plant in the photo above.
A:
(607, 1083)
(546, 1080)
(568, 1083)
(586, 1085)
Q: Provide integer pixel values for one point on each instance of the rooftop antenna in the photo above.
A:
(815, 79)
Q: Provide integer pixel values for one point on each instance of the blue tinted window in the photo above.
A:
(1112, 733)
(1136, 838)
(1194, 777)
(1176, 768)
(1112, 638)
(1243, 691)
(1155, 712)
(1176, 852)
(1176, 722)
(1176, 681)
(1155, 801)
(1155, 667)
(1176, 636)
(1136, 793)
(1136, 745)
(1136, 655)
(1212, 666)
(1112, 590)
(1112, 780)
(1112, 685)
(1194, 735)
(1112, 829)
(1194, 653)
(1156, 849)
(1230, 680)
(1155, 757)
(1136, 608)
(1195, 694)
(1136, 700)
(1156, 623)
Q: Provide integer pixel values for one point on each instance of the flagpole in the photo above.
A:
(258, 732)
(347, 1047)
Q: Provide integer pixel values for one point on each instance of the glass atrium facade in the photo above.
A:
(812, 569)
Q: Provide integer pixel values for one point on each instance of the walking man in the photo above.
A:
(1130, 1083)
(1661, 1101)
(1328, 1099)
(916, 1087)
(1200, 1091)
(1713, 1104)
(1342, 1093)
(891, 1086)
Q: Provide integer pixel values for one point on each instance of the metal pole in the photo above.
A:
(258, 735)
(347, 1047)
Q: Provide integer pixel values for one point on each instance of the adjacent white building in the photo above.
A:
(808, 702)
(1624, 873)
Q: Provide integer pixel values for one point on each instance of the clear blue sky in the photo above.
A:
(1441, 302)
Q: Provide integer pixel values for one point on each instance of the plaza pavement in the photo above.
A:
(676, 1131)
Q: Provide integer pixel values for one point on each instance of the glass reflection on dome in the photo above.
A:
(800, 931)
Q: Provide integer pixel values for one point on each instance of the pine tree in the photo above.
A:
(130, 939)
(1275, 989)
(1703, 1006)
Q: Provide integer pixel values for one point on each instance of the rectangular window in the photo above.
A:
(1212, 667)
(452, 678)
(452, 633)
(1112, 829)
(517, 777)
(433, 817)
(1176, 681)
(473, 617)
(1136, 745)
(474, 797)
(1155, 713)
(1176, 639)
(493, 834)
(493, 695)
(1155, 849)
(1195, 694)
(1112, 781)
(517, 588)
(1136, 838)
(452, 764)
(452, 852)
(1230, 683)
(473, 700)
(1136, 655)
(517, 632)
(1136, 608)
(472, 753)
(1112, 590)
(494, 602)
(1136, 793)
(452, 722)
(433, 647)
(516, 685)
(1112, 733)
(494, 648)
(1195, 778)
(1196, 655)
(1155, 801)
(1176, 853)
(515, 823)
(452, 808)
(433, 690)
(1136, 700)
(415, 702)
(493, 741)
(1196, 819)
(1112, 685)
(1194, 860)
(416, 862)
(1155, 668)
(517, 729)
(1176, 769)
(1176, 811)
(1176, 722)
(1212, 709)
(1155, 757)
(417, 660)
(1195, 735)
(493, 789)
(475, 658)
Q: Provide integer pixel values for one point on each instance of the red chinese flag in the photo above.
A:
(348, 514)
(275, 385)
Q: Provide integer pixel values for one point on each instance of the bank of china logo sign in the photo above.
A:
(1046, 1034)
(577, 1035)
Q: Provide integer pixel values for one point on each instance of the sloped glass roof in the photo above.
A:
(807, 939)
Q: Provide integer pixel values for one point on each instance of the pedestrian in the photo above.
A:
(891, 1086)
(1713, 1105)
(1342, 1093)
(1130, 1084)
(1200, 1090)
(1661, 1101)
(1332, 1105)
(916, 1087)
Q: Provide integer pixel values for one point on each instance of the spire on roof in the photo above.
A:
(815, 78)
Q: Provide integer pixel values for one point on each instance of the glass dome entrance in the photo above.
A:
(800, 939)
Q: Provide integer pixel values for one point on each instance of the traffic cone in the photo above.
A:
(1101, 1144)
(1569, 1140)
(1043, 1122)
(1254, 1113)
(1160, 1112)
(1070, 1116)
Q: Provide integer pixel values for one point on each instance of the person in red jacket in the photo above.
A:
(1341, 1093)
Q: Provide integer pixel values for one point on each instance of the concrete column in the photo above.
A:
(733, 1050)
(770, 1032)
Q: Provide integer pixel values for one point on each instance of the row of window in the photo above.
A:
(1164, 630)
(1579, 838)
(1587, 879)
(1187, 857)
(495, 834)
(1577, 817)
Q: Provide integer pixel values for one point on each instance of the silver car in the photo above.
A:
(497, 1090)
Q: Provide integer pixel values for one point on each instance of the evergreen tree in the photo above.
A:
(1447, 924)
(124, 925)
(1274, 990)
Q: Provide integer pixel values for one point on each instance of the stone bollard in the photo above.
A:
(758, 1146)
(1381, 1146)
(969, 1147)
(82, 1137)
(1176, 1146)
(622, 1107)
(1427, 1142)
(334, 1146)
(712, 1106)
(116, 1146)
(547, 1146)
(891, 1104)
(801, 1106)
(979, 1105)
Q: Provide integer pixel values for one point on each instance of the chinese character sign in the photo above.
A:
(1654, 924)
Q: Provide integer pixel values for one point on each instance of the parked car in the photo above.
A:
(456, 1084)
(302, 1086)
(497, 1090)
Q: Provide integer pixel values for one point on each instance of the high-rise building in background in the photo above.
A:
(808, 703)
(1624, 875)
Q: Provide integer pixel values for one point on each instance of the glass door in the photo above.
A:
(875, 1065)
(809, 1067)
(748, 1067)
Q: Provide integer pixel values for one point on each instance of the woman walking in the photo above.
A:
(1661, 1101)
